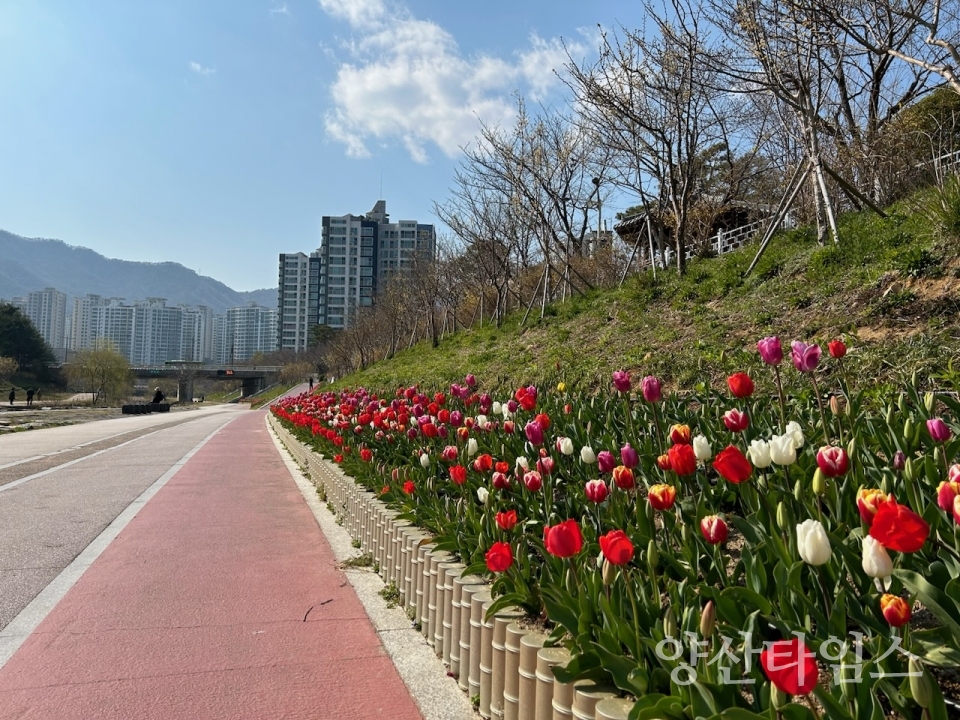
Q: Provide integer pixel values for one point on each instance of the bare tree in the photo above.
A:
(650, 99)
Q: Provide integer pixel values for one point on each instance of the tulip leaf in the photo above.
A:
(748, 598)
(835, 710)
(935, 647)
(740, 714)
(702, 700)
(750, 531)
(626, 674)
(938, 602)
(792, 711)
(668, 708)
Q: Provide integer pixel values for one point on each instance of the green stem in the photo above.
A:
(636, 615)
(823, 417)
(783, 404)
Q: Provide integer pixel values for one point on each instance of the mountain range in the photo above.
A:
(28, 264)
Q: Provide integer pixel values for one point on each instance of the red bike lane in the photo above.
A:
(220, 599)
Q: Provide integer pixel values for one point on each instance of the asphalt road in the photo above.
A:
(60, 487)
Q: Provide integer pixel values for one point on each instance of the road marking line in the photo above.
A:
(66, 450)
(23, 625)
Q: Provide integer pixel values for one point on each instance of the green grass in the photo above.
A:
(878, 288)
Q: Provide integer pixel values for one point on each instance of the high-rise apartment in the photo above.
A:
(47, 310)
(114, 323)
(249, 330)
(297, 295)
(156, 332)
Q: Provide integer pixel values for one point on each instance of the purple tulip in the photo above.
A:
(394, 405)
(486, 402)
(456, 418)
(805, 357)
(621, 381)
(418, 411)
(512, 406)
(629, 456)
(442, 431)
(652, 391)
(938, 430)
(412, 432)
(605, 461)
(470, 380)
(532, 391)
(899, 460)
(770, 351)
(534, 432)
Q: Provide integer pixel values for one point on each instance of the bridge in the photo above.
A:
(254, 378)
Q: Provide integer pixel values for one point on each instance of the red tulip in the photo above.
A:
(596, 491)
(458, 474)
(790, 665)
(338, 458)
(409, 487)
(837, 349)
(680, 434)
(501, 480)
(895, 610)
(449, 453)
(714, 529)
(740, 384)
(682, 460)
(736, 420)
(869, 501)
(499, 557)
(483, 463)
(366, 454)
(616, 547)
(663, 462)
(897, 527)
(623, 477)
(563, 540)
(662, 497)
(732, 465)
(502, 466)
(956, 509)
(507, 520)
(832, 461)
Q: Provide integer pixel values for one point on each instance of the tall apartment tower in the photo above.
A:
(196, 333)
(156, 332)
(358, 254)
(297, 295)
(114, 322)
(47, 309)
(249, 330)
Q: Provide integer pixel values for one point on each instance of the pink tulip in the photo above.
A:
(938, 430)
(629, 456)
(534, 433)
(605, 461)
(546, 465)
(805, 357)
(736, 420)
(621, 380)
(770, 350)
(532, 480)
(597, 491)
(652, 391)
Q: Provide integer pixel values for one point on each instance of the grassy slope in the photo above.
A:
(891, 288)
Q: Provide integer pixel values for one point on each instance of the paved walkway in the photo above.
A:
(221, 599)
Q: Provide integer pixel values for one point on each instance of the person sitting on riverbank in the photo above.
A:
(158, 396)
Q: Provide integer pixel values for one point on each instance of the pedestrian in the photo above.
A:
(13, 395)
(38, 395)
(158, 396)
(30, 392)
(311, 383)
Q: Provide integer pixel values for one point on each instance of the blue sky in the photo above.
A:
(216, 133)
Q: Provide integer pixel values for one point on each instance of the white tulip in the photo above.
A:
(506, 412)
(497, 408)
(876, 561)
(588, 455)
(482, 421)
(566, 445)
(483, 495)
(522, 462)
(782, 450)
(813, 543)
(702, 449)
(471, 447)
(795, 432)
(424, 461)
(759, 453)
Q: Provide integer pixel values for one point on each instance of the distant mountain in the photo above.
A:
(28, 264)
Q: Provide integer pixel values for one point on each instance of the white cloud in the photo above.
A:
(406, 80)
(200, 69)
(281, 10)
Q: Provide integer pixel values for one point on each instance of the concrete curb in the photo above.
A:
(437, 695)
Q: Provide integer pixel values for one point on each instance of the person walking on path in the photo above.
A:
(13, 395)
(30, 392)
(311, 384)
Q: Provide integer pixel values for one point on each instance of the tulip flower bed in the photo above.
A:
(717, 554)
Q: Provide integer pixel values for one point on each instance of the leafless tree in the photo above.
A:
(649, 98)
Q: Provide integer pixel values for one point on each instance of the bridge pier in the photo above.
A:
(185, 390)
